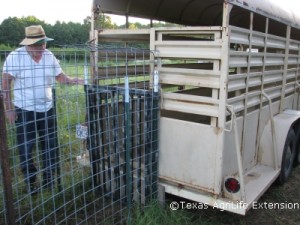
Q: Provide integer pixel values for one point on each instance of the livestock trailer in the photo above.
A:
(229, 109)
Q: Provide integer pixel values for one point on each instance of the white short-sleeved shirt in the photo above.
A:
(33, 81)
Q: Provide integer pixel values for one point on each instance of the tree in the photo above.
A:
(101, 22)
(12, 29)
(69, 33)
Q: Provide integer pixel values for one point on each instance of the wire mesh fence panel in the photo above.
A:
(77, 151)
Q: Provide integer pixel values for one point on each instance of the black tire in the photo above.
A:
(288, 156)
(297, 151)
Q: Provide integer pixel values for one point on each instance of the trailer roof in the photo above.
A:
(198, 12)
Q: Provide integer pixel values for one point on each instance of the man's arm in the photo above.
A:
(6, 90)
(64, 79)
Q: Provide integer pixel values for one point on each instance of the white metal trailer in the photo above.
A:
(229, 124)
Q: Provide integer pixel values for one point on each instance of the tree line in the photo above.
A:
(12, 30)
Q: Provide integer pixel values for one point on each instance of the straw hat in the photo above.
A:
(34, 34)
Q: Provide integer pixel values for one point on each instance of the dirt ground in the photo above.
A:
(288, 195)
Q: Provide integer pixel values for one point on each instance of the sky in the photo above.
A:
(51, 11)
(66, 11)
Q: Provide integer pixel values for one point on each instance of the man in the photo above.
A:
(32, 69)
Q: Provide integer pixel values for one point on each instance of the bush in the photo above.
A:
(4, 47)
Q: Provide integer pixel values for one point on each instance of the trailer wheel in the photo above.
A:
(288, 156)
(297, 150)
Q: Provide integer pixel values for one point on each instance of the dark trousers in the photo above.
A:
(33, 128)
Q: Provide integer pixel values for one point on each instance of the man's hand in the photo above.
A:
(64, 79)
(77, 81)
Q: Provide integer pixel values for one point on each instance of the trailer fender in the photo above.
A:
(282, 123)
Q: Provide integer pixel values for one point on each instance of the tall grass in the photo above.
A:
(70, 110)
(155, 214)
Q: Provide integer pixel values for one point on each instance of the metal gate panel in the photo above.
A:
(108, 141)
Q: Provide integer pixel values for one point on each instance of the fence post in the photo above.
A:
(128, 148)
(57, 158)
(4, 157)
